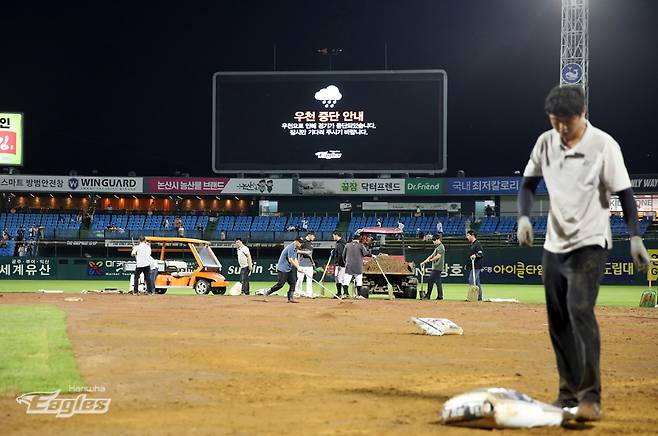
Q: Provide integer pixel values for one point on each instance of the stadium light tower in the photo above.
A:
(574, 45)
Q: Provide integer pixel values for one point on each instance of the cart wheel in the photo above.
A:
(202, 287)
(410, 292)
(364, 291)
(218, 291)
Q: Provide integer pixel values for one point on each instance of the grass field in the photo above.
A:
(36, 353)
(625, 296)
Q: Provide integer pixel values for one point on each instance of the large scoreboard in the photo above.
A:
(330, 121)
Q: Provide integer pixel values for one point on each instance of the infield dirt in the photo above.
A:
(238, 365)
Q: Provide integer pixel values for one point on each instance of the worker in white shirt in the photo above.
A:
(246, 264)
(581, 166)
(142, 254)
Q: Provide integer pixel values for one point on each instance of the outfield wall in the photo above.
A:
(502, 265)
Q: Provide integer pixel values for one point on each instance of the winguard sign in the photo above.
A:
(71, 184)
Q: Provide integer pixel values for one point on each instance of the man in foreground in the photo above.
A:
(581, 166)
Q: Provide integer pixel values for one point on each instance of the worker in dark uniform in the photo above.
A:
(339, 262)
(353, 255)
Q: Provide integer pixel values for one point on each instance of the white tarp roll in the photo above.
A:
(499, 408)
(438, 326)
(236, 289)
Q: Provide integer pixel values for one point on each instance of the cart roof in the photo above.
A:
(381, 230)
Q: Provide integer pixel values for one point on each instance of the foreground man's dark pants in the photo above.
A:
(146, 270)
(244, 279)
(435, 278)
(282, 279)
(571, 282)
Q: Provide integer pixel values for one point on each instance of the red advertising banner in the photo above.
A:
(216, 186)
(186, 185)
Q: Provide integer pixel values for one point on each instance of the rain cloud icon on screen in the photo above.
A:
(329, 95)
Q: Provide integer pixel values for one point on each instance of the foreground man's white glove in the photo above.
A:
(524, 231)
(639, 252)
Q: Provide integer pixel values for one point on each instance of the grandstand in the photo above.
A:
(122, 225)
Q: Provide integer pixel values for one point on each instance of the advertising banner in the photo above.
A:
(388, 206)
(425, 186)
(107, 268)
(524, 266)
(351, 186)
(11, 138)
(652, 271)
(31, 268)
(514, 266)
(644, 203)
(218, 185)
(648, 183)
(71, 184)
(483, 186)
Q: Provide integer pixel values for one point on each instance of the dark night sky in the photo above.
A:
(128, 87)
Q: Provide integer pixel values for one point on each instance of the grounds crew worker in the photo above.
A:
(246, 264)
(153, 265)
(142, 254)
(339, 262)
(438, 258)
(353, 256)
(306, 264)
(581, 166)
(284, 268)
(475, 255)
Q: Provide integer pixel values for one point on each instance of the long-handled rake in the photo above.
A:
(473, 290)
(648, 297)
(324, 288)
(325, 272)
(422, 280)
(389, 287)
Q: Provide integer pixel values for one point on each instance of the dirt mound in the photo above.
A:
(389, 265)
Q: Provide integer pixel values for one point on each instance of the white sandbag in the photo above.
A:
(501, 300)
(73, 299)
(438, 326)
(236, 289)
(499, 408)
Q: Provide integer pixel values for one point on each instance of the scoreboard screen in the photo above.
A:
(329, 122)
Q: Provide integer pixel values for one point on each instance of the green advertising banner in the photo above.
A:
(31, 268)
(425, 186)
